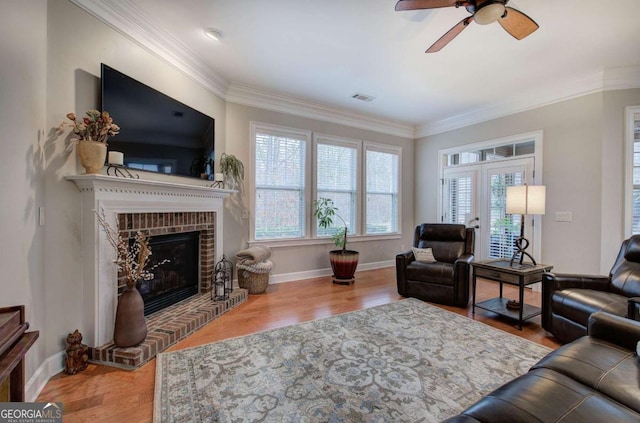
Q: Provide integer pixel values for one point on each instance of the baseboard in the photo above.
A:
(49, 368)
(317, 273)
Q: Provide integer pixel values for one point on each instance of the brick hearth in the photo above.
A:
(167, 327)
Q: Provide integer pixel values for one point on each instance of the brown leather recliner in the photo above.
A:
(447, 280)
(568, 300)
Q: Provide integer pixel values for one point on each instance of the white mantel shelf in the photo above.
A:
(114, 195)
(106, 183)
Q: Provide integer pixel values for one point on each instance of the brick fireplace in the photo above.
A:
(158, 224)
(159, 208)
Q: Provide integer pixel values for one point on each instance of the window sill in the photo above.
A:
(279, 243)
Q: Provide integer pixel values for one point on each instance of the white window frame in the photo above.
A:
(255, 128)
(389, 149)
(342, 142)
(630, 111)
(310, 236)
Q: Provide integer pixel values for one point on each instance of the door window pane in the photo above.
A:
(458, 199)
(504, 228)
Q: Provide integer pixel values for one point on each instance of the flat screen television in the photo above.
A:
(157, 132)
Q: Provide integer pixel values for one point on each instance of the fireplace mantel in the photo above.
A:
(115, 195)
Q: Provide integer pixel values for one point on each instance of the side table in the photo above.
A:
(520, 275)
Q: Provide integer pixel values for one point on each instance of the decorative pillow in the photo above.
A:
(424, 255)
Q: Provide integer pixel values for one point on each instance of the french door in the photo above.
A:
(475, 195)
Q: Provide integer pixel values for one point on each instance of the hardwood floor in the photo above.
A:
(107, 394)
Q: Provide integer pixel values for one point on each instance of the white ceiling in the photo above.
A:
(315, 54)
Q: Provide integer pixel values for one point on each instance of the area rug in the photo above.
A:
(401, 362)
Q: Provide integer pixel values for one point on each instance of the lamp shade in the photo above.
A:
(526, 199)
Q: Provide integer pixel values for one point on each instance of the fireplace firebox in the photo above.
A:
(176, 279)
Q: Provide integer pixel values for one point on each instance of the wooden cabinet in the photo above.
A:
(15, 341)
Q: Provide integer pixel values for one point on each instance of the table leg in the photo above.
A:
(521, 286)
(473, 301)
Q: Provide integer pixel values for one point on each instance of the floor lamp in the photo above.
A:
(523, 200)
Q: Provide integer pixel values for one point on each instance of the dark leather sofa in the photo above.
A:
(447, 280)
(568, 300)
(593, 379)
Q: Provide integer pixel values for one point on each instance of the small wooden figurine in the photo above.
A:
(77, 354)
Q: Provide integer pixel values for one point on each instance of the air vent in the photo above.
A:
(363, 97)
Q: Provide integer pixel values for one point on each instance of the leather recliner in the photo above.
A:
(568, 300)
(447, 280)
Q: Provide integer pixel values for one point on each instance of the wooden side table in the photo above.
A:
(520, 275)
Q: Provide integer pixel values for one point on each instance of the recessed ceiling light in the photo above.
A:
(214, 34)
(363, 97)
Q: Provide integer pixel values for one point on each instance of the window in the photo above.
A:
(289, 173)
(382, 176)
(280, 183)
(493, 153)
(336, 178)
(632, 194)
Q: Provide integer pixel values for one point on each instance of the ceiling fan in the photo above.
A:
(483, 12)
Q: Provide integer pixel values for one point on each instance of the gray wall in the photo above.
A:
(583, 169)
(291, 260)
(613, 158)
(23, 44)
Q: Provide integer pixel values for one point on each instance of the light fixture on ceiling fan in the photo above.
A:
(489, 12)
(483, 12)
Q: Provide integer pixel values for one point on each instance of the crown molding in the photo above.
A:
(249, 96)
(623, 78)
(129, 20)
(125, 17)
(607, 80)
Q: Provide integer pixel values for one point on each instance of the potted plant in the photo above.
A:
(232, 169)
(93, 131)
(343, 262)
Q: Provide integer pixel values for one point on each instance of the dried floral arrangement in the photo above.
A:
(96, 126)
(131, 260)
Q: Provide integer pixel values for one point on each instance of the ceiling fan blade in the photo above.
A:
(450, 35)
(424, 4)
(517, 23)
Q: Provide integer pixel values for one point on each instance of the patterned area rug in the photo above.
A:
(401, 362)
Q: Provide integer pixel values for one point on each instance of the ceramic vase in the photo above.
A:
(131, 326)
(92, 155)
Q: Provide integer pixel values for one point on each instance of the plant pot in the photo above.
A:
(92, 155)
(343, 264)
(131, 326)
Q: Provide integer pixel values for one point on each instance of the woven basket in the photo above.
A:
(254, 282)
